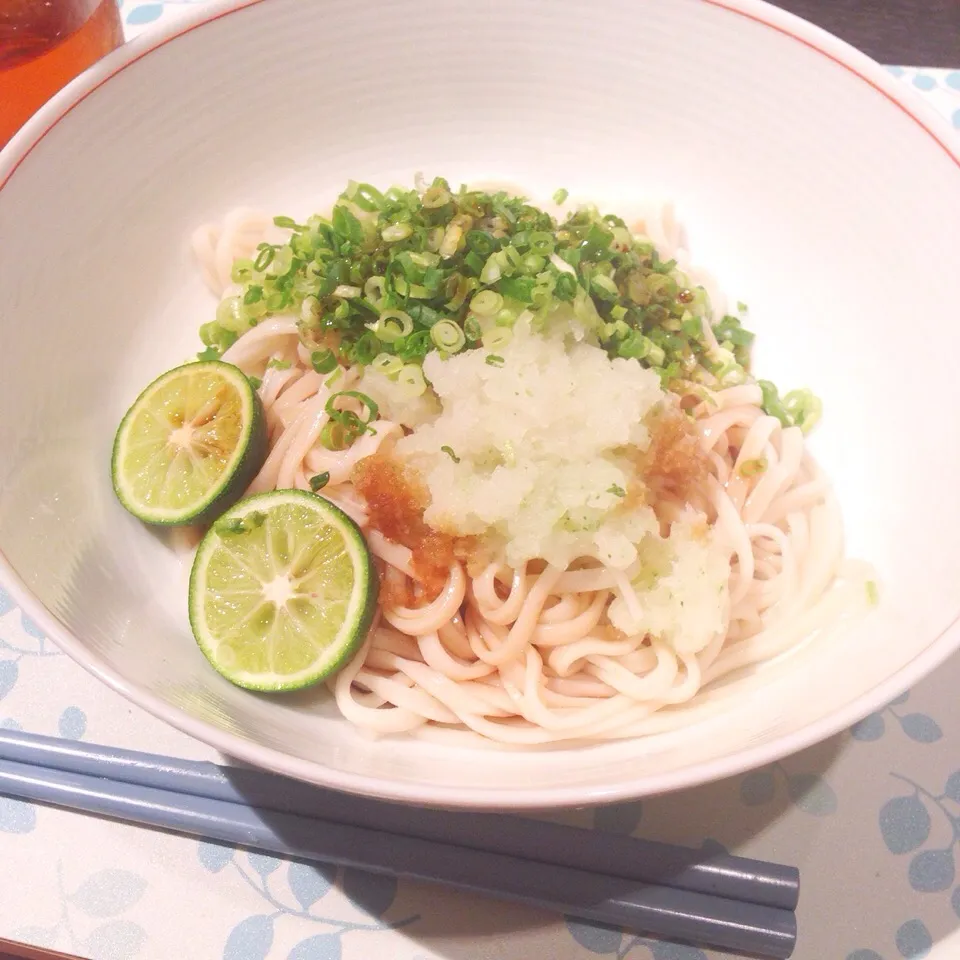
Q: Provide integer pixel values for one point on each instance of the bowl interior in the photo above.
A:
(808, 190)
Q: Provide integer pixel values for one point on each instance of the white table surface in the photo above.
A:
(872, 818)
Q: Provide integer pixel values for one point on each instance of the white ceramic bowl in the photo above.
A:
(815, 186)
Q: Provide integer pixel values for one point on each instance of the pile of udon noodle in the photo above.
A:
(566, 551)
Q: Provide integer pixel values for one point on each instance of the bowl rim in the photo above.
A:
(942, 646)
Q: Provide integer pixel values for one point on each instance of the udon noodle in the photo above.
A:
(528, 655)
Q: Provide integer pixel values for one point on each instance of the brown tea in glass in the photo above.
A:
(43, 45)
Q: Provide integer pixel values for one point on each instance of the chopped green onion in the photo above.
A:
(346, 225)
(803, 408)
(275, 363)
(752, 468)
(493, 268)
(374, 288)
(449, 452)
(383, 271)
(411, 382)
(451, 240)
(241, 271)
(323, 361)
(518, 288)
(393, 325)
(448, 336)
(234, 525)
(387, 364)
(617, 490)
(230, 315)
(481, 243)
(692, 326)
(209, 353)
(264, 257)
(486, 303)
(497, 338)
(566, 287)
(604, 287)
(771, 403)
(494, 361)
(255, 382)
(396, 232)
(373, 411)
(319, 481)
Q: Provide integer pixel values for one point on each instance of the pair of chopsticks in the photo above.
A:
(657, 889)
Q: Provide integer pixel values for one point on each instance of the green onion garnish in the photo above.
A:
(448, 336)
(275, 363)
(401, 273)
(751, 468)
(494, 361)
(255, 382)
(319, 481)
(323, 361)
(617, 490)
(234, 525)
(449, 452)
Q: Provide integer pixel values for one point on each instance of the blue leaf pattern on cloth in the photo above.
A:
(595, 937)
(914, 940)
(147, 13)
(37, 936)
(214, 856)
(324, 946)
(622, 818)
(108, 892)
(6, 602)
(932, 871)
(30, 628)
(9, 672)
(371, 892)
(864, 955)
(955, 901)
(250, 939)
(757, 787)
(952, 788)
(309, 883)
(263, 864)
(920, 727)
(869, 728)
(675, 951)
(812, 794)
(712, 847)
(72, 723)
(16, 816)
(904, 824)
(116, 940)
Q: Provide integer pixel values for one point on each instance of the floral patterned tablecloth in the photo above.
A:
(872, 818)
